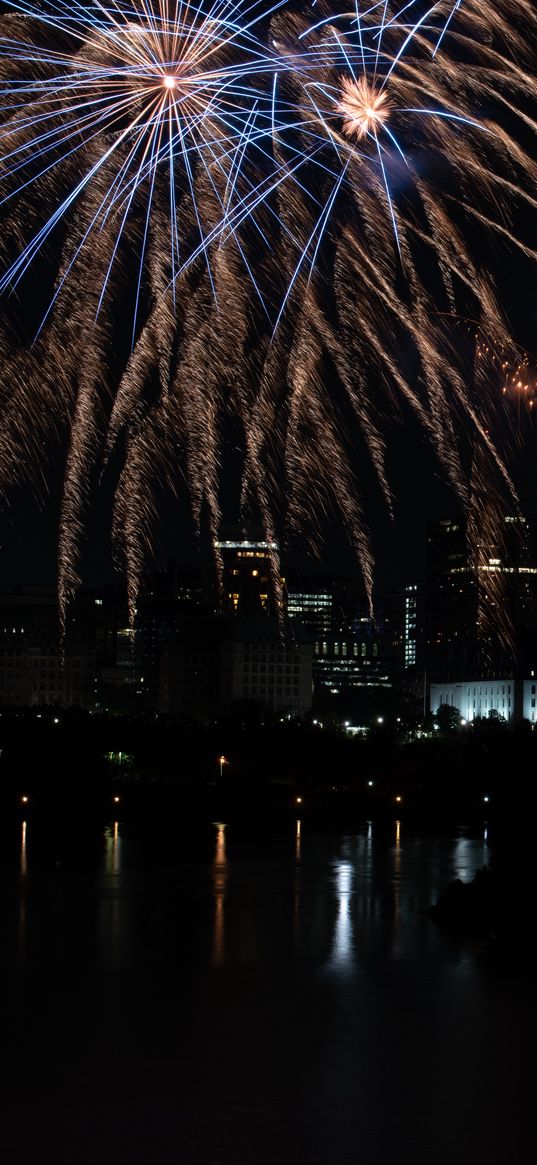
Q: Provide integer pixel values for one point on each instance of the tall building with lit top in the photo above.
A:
(247, 585)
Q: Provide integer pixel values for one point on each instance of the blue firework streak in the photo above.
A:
(121, 91)
(341, 101)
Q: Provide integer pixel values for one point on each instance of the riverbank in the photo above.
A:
(76, 763)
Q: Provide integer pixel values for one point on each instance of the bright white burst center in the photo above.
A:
(169, 82)
(363, 107)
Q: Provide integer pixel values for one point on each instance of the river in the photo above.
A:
(239, 995)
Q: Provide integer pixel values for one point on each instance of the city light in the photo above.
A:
(24, 799)
(298, 800)
(116, 800)
(398, 798)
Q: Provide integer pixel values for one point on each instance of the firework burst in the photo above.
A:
(99, 99)
(364, 109)
(290, 204)
(408, 137)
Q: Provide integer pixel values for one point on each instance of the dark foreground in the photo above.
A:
(249, 995)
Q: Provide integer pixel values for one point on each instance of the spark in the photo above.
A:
(363, 108)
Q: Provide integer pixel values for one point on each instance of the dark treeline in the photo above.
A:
(67, 762)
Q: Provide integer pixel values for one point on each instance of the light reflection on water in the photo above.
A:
(112, 849)
(23, 855)
(112, 927)
(280, 995)
(342, 941)
(465, 856)
(23, 870)
(349, 896)
(219, 889)
(397, 887)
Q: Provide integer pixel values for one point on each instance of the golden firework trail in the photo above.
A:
(270, 212)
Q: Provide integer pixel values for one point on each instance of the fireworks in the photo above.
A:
(290, 206)
(363, 108)
(105, 97)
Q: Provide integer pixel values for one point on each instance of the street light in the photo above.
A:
(222, 761)
(24, 799)
(398, 798)
(298, 800)
(116, 800)
(380, 719)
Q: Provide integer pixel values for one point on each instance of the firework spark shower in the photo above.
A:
(282, 205)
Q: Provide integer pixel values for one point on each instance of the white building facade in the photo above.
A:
(510, 698)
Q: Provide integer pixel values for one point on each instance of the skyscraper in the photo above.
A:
(247, 585)
(480, 608)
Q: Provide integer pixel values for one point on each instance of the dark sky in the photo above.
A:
(28, 528)
(28, 525)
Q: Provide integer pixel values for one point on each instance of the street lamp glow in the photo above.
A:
(380, 719)
(298, 800)
(398, 798)
(486, 799)
(370, 783)
(116, 800)
(24, 799)
(222, 761)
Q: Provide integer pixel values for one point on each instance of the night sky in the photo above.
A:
(28, 522)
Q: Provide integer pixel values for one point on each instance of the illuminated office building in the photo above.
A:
(509, 698)
(480, 609)
(247, 583)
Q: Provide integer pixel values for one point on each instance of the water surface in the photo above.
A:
(246, 995)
